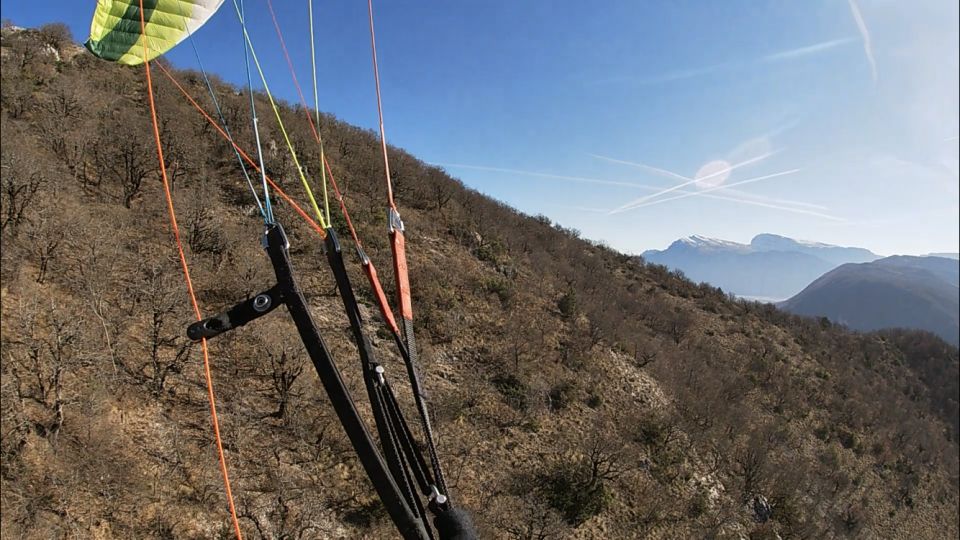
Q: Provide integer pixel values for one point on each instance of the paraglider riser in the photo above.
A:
(287, 292)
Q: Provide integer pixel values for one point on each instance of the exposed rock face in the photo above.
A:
(761, 508)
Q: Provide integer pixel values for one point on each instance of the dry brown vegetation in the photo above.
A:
(578, 392)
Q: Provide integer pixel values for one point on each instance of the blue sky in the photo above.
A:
(837, 119)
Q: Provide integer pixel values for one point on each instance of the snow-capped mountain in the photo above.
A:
(706, 243)
(770, 267)
(835, 254)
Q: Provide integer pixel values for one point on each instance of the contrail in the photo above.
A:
(865, 34)
(708, 190)
(764, 205)
(581, 179)
(655, 170)
(580, 208)
(682, 178)
(595, 210)
(805, 51)
(668, 77)
(690, 73)
(646, 198)
(773, 200)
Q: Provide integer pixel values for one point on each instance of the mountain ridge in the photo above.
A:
(898, 291)
(770, 266)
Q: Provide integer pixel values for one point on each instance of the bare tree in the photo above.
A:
(534, 521)
(286, 366)
(46, 235)
(204, 234)
(678, 324)
(158, 298)
(43, 351)
(124, 159)
(168, 349)
(442, 190)
(95, 252)
(751, 463)
(283, 511)
(645, 356)
(19, 189)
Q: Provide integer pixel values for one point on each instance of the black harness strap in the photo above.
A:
(413, 455)
(401, 459)
(398, 441)
(388, 439)
(410, 357)
(275, 241)
(238, 315)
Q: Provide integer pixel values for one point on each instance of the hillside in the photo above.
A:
(577, 392)
(769, 267)
(894, 292)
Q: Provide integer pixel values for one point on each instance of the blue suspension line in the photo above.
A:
(253, 110)
(223, 120)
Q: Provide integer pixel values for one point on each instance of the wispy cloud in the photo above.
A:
(800, 52)
(865, 35)
(683, 74)
(742, 182)
(708, 190)
(954, 138)
(727, 170)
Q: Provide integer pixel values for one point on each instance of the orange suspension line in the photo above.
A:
(397, 239)
(186, 273)
(370, 271)
(306, 217)
(383, 135)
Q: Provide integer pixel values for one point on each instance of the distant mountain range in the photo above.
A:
(899, 291)
(770, 267)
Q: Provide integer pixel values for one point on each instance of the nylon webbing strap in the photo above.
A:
(237, 316)
(411, 360)
(398, 245)
(368, 365)
(398, 441)
(392, 477)
(413, 455)
(381, 296)
(400, 272)
(409, 525)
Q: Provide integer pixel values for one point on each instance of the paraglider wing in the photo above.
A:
(115, 32)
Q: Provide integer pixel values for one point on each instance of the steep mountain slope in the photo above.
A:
(944, 268)
(894, 292)
(770, 267)
(577, 392)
